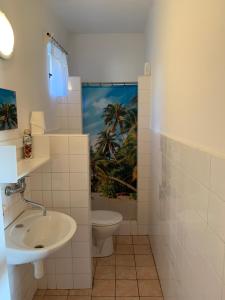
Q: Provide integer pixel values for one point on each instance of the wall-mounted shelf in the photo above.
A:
(12, 169)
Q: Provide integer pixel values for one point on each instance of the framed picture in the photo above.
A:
(8, 110)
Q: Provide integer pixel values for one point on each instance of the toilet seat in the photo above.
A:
(105, 217)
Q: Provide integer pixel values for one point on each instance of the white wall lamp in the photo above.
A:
(6, 37)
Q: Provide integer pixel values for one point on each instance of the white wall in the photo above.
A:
(106, 57)
(187, 46)
(26, 72)
(185, 43)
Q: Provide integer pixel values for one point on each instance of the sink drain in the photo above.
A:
(39, 246)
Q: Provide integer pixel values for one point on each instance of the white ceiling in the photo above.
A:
(102, 16)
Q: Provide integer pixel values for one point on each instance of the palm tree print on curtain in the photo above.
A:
(110, 118)
(8, 111)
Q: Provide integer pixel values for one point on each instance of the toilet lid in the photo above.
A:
(105, 217)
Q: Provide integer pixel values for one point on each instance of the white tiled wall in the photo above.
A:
(144, 113)
(187, 220)
(69, 110)
(63, 185)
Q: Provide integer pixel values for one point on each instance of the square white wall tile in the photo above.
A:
(81, 249)
(36, 182)
(50, 266)
(60, 163)
(74, 110)
(78, 145)
(65, 252)
(83, 233)
(47, 198)
(82, 281)
(64, 281)
(61, 110)
(37, 196)
(59, 144)
(60, 181)
(61, 198)
(46, 182)
(81, 264)
(51, 281)
(64, 266)
(81, 215)
(79, 199)
(62, 123)
(75, 123)
(79, 181)
(79, 163)
(74, 97)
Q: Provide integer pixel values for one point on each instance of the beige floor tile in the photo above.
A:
(124, 240)
(141, 240)
(125, 272)
(144, 260)
(103, 298)
(40, 292)
(106, 261)
(104, 288)
(57, 292)
(146, 272)
(82, 292)
(124, 249)
(142, 249)
(127, 298)
(55, 297)
(151, 298)
(79, 298)
(126, 288)
(125, 260)
(105, 272)
(149, 288)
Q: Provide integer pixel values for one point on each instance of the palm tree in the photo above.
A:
(114, 115)
(106, 144)
(8, 116)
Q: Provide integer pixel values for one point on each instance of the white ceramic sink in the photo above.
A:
(32, 236)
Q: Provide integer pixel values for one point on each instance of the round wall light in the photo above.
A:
(6, 37)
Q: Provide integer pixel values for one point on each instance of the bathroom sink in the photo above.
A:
(32, 236)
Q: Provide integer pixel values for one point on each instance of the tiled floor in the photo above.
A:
(129, 274)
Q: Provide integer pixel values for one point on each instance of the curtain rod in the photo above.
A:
(51, 37)
(109, 83)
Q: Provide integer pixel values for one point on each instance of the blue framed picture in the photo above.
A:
(8, 110)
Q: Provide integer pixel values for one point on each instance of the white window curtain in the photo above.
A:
(58, 71)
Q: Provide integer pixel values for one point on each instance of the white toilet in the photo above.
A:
(104, 224)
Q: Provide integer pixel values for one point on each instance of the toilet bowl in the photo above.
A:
(104, 224)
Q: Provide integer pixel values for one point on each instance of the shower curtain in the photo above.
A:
(110, 118)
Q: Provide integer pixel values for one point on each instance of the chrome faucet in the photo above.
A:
(20, 187)
(42, 207)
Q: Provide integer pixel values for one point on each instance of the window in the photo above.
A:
(58, 71)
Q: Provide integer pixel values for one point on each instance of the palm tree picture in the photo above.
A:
(110, 118)
(8, 111)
